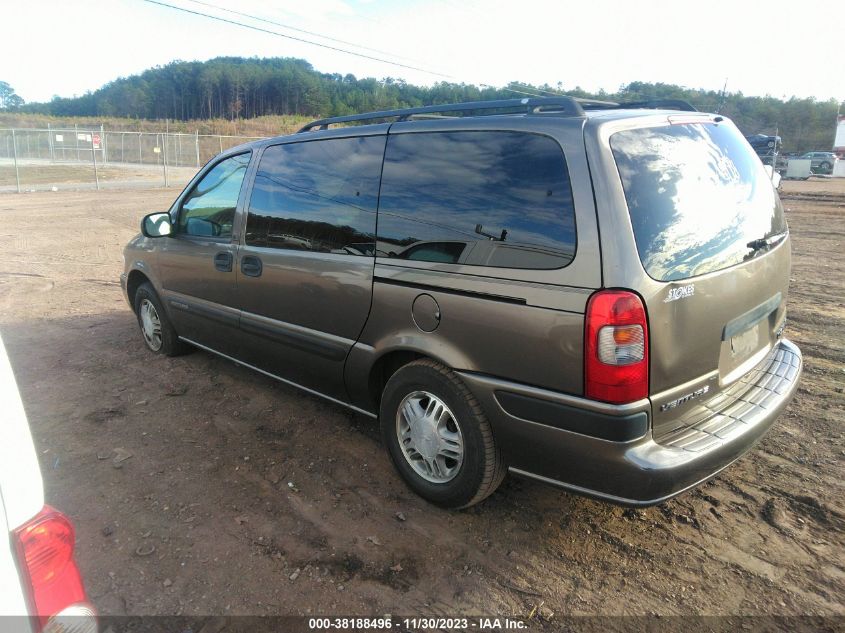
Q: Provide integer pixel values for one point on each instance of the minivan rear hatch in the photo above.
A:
(711, 235)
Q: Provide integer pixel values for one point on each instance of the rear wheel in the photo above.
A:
(157, 331)
(438, 436)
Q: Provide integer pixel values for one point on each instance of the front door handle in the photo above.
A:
(251, 266)
(223, 262)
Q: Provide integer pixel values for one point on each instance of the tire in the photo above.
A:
(157, 332)
(825, 166)
(445, 416)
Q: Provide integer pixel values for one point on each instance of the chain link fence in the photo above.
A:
(94, 158)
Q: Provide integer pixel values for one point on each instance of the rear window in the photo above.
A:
(476, 198)
(697, 196)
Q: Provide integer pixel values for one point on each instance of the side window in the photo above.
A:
(317, 196)
(476, 198)
(209, 209)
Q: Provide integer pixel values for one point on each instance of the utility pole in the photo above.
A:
(94, 160)
(103, 145)
(15, 153)
(164, 150)
(50, 144)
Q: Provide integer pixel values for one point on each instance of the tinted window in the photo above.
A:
(209, 210)
(697, 196)
(476, 198)
(317, 196)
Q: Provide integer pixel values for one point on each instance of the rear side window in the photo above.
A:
(697, 195)
(317, 196)
(476, 198)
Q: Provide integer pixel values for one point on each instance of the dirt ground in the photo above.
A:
(198, 487)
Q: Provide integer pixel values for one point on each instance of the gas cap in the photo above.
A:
(426, 313)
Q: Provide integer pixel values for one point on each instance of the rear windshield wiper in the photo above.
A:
(765, 243)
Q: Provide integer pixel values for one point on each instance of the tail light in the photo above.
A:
(616, 347)
(48, 571)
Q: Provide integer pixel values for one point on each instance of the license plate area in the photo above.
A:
(745, 343)
(742, 351)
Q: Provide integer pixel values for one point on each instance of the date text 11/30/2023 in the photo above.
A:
(418, 624)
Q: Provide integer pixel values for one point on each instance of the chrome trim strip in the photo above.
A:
(555, 396)
(313, 341)
(201, 307)
(447, 290)
(279, 378)
(541, 294)
(623, 501)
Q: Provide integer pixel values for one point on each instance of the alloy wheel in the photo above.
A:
(430, 437)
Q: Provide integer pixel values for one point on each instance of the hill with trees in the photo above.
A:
(237, 88)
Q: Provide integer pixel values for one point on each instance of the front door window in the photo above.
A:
(209, 210)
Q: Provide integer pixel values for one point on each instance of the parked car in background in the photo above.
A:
(821, 161)
(768, 149)
(41, 590)
(762, 143)
(586, 293)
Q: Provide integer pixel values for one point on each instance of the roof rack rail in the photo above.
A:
(568, 106)
(565, 105)
(660, 104)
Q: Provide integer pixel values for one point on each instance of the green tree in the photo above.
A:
(238, 87)
(8, 99)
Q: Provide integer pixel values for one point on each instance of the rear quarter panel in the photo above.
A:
(517, 324)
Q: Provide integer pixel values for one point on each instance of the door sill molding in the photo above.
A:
(279, 378)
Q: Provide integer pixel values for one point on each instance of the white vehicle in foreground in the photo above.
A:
(39, 578)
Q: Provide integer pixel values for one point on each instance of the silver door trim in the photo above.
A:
(319, 343)
(280, 379)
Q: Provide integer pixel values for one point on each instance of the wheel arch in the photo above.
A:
(369, 368)
(385, 366)
(133, 282)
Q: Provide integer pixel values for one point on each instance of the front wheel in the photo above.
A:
(438, 436)
(825, 166)
(159, 334)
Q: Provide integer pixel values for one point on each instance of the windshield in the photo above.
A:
(698, 197)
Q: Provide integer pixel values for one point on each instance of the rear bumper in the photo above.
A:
(639, 471)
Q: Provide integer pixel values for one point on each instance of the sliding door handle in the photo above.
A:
(251, 266)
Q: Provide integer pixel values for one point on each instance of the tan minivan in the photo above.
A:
(587, 293)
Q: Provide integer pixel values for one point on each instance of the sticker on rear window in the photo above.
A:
(681, 292)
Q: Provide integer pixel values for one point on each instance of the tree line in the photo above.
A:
(237, 88)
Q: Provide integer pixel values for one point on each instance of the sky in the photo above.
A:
(55, 47)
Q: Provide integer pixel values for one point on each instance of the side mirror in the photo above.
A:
(156, 225)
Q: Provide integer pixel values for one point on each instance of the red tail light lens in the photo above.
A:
(45, 557)
(616, 347)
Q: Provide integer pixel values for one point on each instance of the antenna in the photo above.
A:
(722, 97)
